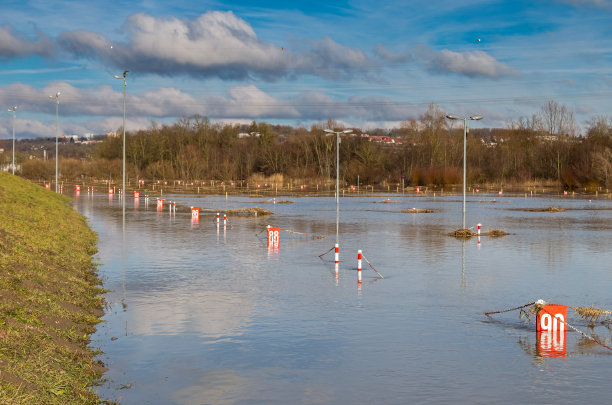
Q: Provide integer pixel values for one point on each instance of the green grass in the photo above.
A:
(50, 298)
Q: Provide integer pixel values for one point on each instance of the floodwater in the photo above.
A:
(200, 314)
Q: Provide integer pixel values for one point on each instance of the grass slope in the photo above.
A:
(50, 298)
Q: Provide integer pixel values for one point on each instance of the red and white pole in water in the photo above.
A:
(359, 266)
(336, 253)
(217, 218)
(224, 220)
(479, 225)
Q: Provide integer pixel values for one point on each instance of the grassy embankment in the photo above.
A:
(50, 298)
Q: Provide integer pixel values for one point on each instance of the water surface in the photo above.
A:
(205, 315)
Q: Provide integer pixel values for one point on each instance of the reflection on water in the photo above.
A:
(200, 313)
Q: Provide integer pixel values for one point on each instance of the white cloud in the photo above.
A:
(216, 44)
(391, 56)
(99, 101)
(472, 64)
(14, 45)
(249, 101)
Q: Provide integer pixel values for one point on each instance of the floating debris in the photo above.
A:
(592, 314)
(252, 211)
(493, 201)
(417, 211)
(387, 201)
(278, 202)
(552, 208)
(468, 233)
(495, 233)
(463, 233)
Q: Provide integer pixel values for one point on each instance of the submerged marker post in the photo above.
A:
(359, 266)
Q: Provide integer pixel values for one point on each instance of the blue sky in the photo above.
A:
(362, 63)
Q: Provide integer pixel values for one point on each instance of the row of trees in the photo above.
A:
(542, 148)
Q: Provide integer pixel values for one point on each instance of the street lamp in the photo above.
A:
(346, 131)
(475, 118)
(124, 93)
(56, 97)
(13, 110)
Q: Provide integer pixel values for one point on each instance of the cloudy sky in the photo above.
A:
(362, 63)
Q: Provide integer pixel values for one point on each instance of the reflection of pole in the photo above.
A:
(123, 253)
(463, 265)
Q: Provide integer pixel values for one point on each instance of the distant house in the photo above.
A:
(549, 137)
(248, 135)
(382, 139)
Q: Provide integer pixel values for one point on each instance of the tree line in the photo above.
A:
(539, 149)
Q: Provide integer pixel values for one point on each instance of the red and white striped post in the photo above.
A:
(479, 225)
(359, 266)
(217, 218)
(224, 220)
(336, 253)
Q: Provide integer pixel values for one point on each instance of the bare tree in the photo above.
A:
(557, 119)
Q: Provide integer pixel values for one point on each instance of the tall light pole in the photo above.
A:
(346, 131)
(475, 118)
(123, 77)
(13, 110)
(56, 97)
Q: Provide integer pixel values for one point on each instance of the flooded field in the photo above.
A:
(200, 314)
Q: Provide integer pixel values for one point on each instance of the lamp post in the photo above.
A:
(56, 97)
(346, 131)
(13, 110)
(475, 118)
(123, 77)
